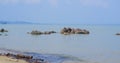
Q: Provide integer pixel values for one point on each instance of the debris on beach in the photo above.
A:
(68, 31)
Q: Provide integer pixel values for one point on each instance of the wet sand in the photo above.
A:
(5, 59)
(72, 62)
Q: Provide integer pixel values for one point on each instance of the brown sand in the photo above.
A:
(4, 59)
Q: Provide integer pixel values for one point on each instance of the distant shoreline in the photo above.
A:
(27, 22)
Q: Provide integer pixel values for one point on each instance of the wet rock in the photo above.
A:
(3, 30)
(36, 32)
(8, 54)
(20, 56)
(24, 57)
(67, 31)
(52, 31)
(46, 32)
(81, 32)
(41, 33)
(117, 33)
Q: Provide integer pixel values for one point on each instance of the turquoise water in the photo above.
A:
(101, 45)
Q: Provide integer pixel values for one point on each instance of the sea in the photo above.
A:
(100, 46)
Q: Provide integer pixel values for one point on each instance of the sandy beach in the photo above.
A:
(5, 59)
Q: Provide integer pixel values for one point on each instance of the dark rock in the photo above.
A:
(20, 56)
(36, 32)
(41, 33)
(8, 54)
(47, 32)
(67, 31)
(117, 33)
(81, 32)
(53, 32)
(3, 30)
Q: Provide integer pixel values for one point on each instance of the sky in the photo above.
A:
(61, 11)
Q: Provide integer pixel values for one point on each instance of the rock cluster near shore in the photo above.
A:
(67, 31)
(35, 32)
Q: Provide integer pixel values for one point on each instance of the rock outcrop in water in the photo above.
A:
(67, 31)
(35, 32)
(117, 33)
(3, 30)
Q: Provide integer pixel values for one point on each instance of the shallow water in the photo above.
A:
(101, 45)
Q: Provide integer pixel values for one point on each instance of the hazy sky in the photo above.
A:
(61, 11)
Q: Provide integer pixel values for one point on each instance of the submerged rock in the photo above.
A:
(67, 31)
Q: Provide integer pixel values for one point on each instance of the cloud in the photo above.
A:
(32, 1)
(56, 3)
(19, 1)
(96, 3)
(68, 2)
(8, 1)
(53, 2)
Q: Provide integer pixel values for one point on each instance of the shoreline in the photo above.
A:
(13, 56)
(5, 59)
(18, 58)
